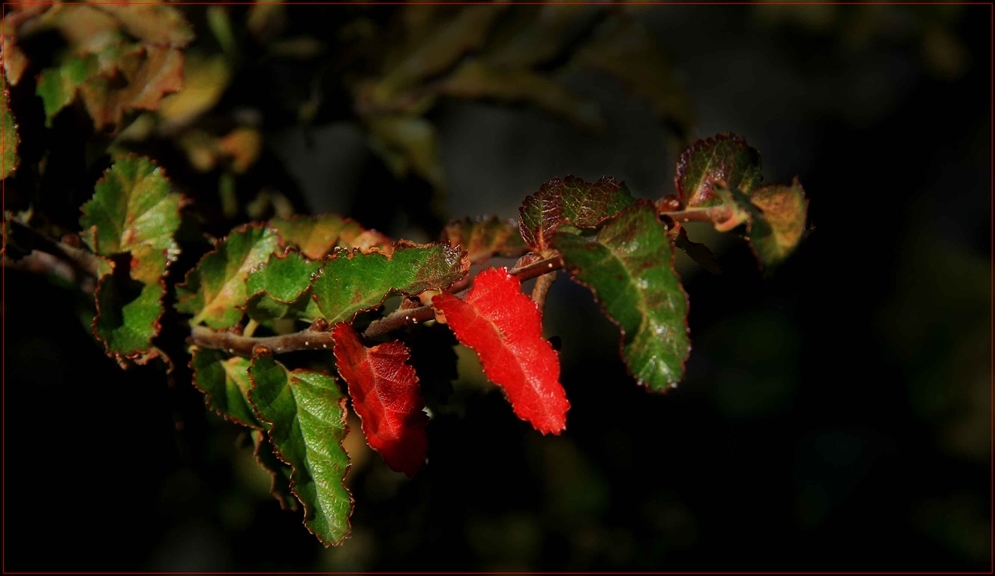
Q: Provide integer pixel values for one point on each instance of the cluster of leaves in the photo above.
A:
(136, 72)
(322, 283)
(324, 271)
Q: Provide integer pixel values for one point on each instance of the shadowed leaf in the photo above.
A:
(478, 79)
(483, 238)
(623, 48)
(725, 157)
(225, 383)
(386, 397)
(353, 281)
(153, 23)
(278, 471)
(214, 289)
(630, 268)
(504, 327)
(9, 139)
(570, 201)
(307, 414)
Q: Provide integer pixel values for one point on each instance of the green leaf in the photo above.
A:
(132, 211)
(570, 201)
(127, 316)
(278, 471)
(478, 79)
(630, 268)
(281, 288)
(9, 140)
(214, 289)
(483, 238)
(57, 86)
(225, 383)
(317, 236)
(726, 158)
(307, 414)
(353, 281)
(778, 222)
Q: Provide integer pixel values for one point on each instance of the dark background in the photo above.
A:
(835, 416)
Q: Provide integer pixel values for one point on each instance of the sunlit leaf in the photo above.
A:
(317, 236)
(483, 238)
(504, 327)
(214, 289)
(132, 211)
(280, 288)
(779, 226)
(353, 281)
(630, 268)
(57, 87)
(386, 397)
(307, 414)
(571, 201)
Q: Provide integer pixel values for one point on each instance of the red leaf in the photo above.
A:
(504, 327)
(386, 396)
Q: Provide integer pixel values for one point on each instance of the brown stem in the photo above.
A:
(82, 263)
(315, 339)
(541, 289)
(712, 215)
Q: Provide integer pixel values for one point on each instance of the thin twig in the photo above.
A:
(315, 338)
(83, 263)
(713, 215)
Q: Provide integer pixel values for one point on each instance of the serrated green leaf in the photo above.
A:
(214, 289)
(353, 281)
(570, 201)
(281, 288)
(483, 238)
(133, 210)
(779, 224)
(317, 236)
(9, 139)
(57, 86)
(725, 157)
(307, 414)
(125, 322)
(278, 471)
(630, 268)
(225, 384)
(478, 79)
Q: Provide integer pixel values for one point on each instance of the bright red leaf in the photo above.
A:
(386, 396)
(504, 327)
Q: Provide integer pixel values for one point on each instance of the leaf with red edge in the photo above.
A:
(725, 157)
(570, 201)
(504, 327)
(386, 396)
(483, 238)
